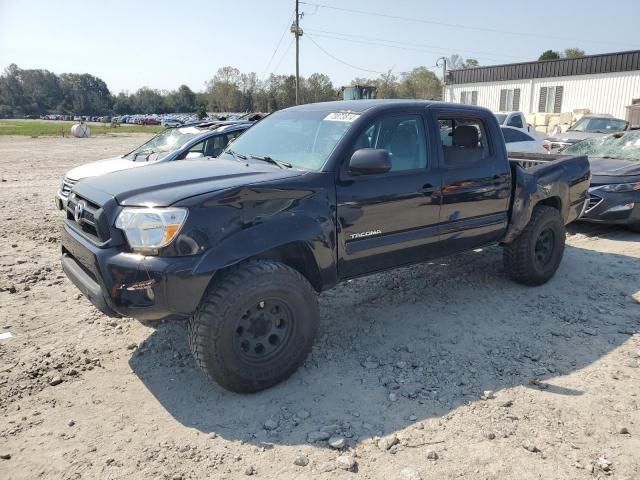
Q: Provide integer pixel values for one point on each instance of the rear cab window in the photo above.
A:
(464, 140)
(515, 121)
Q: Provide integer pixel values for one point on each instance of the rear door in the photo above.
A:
(476, 179)
(389, 219)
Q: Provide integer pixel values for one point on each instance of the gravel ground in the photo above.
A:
(437, 371)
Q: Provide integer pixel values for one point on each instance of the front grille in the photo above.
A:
(67, 185)
(594, 201)
(85, 215)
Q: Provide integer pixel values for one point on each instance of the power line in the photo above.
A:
(339, 60)
(453, 25)
(275, 69)
(375, 44)
(278, 45)
(440, 48)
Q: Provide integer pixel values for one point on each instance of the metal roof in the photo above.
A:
(589, 64)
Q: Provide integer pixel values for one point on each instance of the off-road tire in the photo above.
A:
(213, 328)
(520, 257)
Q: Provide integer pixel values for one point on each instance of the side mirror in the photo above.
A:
(194, 155)
(370, 161)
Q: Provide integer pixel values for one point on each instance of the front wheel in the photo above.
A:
(255, 326)
(534, 257)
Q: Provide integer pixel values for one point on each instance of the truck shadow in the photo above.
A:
(413, 344)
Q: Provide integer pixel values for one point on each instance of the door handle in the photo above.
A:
(498, 179)
(427, 189)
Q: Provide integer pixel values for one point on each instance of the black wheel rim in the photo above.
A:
(545, 246)
(263, 331)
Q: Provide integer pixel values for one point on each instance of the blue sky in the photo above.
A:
(162, 44)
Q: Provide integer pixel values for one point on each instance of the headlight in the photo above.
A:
(621, 187)
(148, 229)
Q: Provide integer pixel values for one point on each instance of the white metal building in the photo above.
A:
(606, 83)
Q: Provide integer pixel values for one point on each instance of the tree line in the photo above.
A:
(41, 92)
(568, 53)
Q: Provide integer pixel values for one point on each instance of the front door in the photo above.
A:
(389, 219)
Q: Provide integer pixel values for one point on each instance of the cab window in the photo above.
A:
(464, 141)
(402, 136)
(515, 121)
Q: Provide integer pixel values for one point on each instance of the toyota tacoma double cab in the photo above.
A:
(309, 197)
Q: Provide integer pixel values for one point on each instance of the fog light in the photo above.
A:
(139, 285)
(620, 208)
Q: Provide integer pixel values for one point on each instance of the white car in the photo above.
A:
(171, 122)
(206, 139)
(513, 119)
(519, 141)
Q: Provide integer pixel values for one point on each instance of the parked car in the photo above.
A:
(518, 141)
(170, 122)
(310, 196)
(206, 140)
(588, 126)
(513, 119)
(615, 185)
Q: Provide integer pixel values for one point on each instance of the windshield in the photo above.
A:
(501, 117)
(303, 139)
(625, 146)
(160, 145)
(599, 125)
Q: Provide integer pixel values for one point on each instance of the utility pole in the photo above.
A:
(297, 31)
(444, 76)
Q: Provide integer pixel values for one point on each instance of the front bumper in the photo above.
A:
(60, 200)
(122, 284)
(619, 208)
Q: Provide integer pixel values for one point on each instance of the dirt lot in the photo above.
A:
(406, 356)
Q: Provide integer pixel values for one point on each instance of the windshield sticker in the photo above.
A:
(341, 117)
(186, 130)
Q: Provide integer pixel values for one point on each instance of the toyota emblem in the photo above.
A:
(78, 210)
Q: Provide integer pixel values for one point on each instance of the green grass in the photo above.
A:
(39, 128)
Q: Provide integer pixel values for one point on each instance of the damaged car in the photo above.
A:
(193, 141)
(614, 194)
(309, 197)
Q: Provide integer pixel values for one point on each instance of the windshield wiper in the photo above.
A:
(268, 159)
(142, 154)
(236, 155)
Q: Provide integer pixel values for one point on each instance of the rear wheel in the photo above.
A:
(255, 326)
(534, 257)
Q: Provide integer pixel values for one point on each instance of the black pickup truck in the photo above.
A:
(309, 197)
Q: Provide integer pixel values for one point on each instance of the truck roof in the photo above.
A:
(364, 105)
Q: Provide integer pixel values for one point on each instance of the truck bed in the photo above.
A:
(530, 160)
(558, 180)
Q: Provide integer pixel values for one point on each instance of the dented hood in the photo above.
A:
(166, 183)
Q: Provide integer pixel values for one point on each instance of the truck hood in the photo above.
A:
(101, 167)
(164, 184)
(573, 137)
(613, 170)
